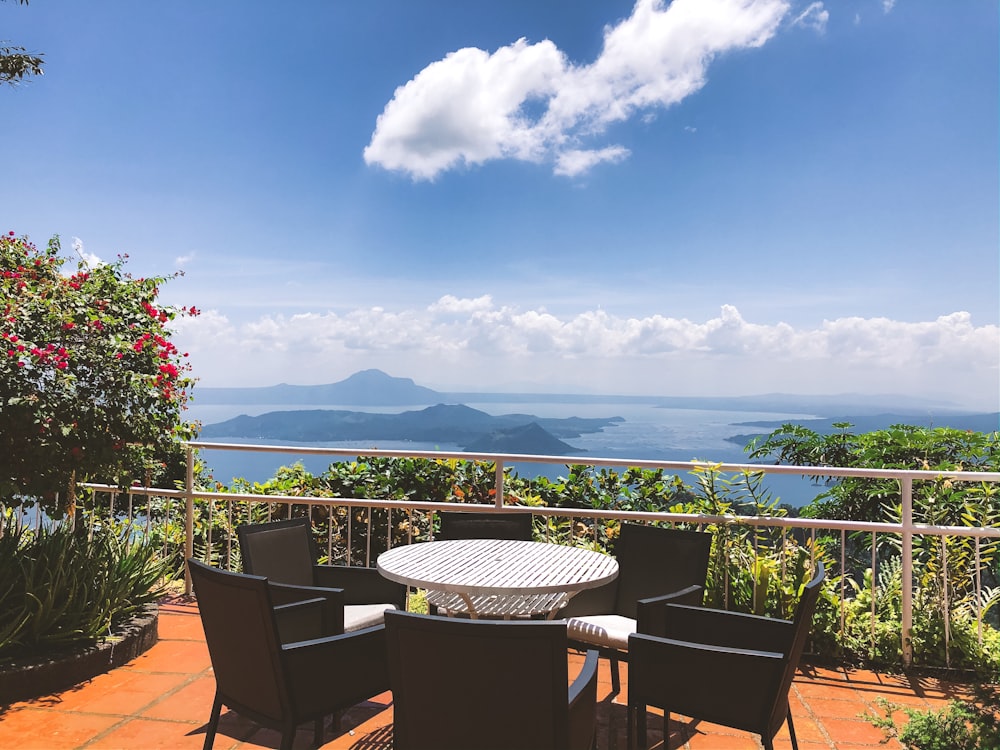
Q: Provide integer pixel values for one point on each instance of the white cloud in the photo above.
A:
(183, 260)
(459, 341)
(474, 106)
(888, 5)
(449, 305)
(574, 161)
(814, 17)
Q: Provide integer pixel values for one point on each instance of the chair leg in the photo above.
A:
(318, 731)
(213, 723)
(640, 726)
(616, 680)
(791, 731)
(630, 727)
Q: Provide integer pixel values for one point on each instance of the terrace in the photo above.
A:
(162, 698)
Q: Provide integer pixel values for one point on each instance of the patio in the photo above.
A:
(162, 700)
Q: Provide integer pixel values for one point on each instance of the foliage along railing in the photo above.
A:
(760, 555)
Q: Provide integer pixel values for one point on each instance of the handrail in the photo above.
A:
(906, 528)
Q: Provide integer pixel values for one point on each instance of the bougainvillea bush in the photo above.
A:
(91, 387)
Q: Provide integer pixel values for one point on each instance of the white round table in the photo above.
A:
(497, 577)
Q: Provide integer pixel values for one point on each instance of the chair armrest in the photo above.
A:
(343, 669)
(651, 615)
(731, 686)
(361, 585)
(583, 704)
(300, 620)
(730, 629)
(333, 603)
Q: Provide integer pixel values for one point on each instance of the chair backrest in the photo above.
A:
(283, 551)
(492, 685)
(467, 525)
(242, 638)
(654, 560)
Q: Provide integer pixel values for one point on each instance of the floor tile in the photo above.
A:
(191, 702)
(149, 734)
(31, 729)
(188, 657)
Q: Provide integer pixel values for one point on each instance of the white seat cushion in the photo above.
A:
(610, 631)
(360, 616)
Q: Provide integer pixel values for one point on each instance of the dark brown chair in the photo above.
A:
(489, 685)
(656, 565)
(724, 667)
(278, 665)
(285, 552)
(471, 525)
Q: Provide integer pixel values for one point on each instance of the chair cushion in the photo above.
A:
(609, 631)
(360, 616)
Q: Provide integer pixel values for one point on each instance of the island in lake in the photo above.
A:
(470, 428)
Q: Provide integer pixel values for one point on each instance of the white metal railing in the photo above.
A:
(905, 530)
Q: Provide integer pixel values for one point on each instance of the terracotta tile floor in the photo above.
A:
(162, 700)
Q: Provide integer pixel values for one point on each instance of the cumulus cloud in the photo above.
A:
(814, 17)
(478, 339)
(530, 102)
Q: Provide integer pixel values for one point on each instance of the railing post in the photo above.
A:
(498, 500)
(188, 518)
(906, 493)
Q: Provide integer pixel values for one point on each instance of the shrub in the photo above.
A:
(91, 388)
(957, 726)
(60, 588)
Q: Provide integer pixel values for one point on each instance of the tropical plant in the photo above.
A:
(60, 589)
(898, 447)
(960, 725)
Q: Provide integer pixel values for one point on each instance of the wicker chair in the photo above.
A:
(724, 667)
(655, 565)
(279, 665)
(285, 552)
(469, 525)
(490, 685)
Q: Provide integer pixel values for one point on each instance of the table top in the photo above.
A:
(497, 566)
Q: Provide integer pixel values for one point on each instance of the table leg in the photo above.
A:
(468, 603)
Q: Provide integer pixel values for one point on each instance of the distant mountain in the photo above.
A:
(364, 388)
(820, 405)
(437, 424)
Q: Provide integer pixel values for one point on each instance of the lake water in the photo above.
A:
(648, 432)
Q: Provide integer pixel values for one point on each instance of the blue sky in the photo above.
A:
(709, 197)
